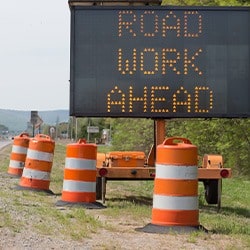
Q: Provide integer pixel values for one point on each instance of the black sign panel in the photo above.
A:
(160, 62)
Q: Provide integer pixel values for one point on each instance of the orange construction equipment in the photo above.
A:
(126, 158)
(79, 185)
(175, 199)
(212, 161)
(38, 164)
(18, 154)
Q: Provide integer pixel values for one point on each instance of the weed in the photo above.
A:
(192, 237)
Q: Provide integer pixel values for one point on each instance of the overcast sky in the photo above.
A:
(34, 54)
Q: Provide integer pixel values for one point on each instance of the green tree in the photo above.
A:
(101, 123)
(133, 134)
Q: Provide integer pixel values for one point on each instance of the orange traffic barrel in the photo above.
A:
(18, 154)
(79, 184)
(175, 198)
(38, 163)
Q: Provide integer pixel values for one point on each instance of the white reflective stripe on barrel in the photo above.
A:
(19, 149)
(16, 164)
(176, 172)
(76, 163)
(79, 186)
(175, 202)
(39, 155)
(35, 174)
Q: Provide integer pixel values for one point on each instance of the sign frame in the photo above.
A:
(79, 107)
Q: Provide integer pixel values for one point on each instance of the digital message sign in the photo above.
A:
(159, 62)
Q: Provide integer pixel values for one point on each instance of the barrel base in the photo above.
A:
(16, 176)
(88, 205)
(157, 229)
(18, 187)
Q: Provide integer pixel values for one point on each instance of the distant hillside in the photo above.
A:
(17, 120)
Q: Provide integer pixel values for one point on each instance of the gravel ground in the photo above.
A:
(124, 238)
(119, 232)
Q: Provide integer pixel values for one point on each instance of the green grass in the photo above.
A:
(103, 148)
(234, 216)
(135, 199)
(39, 209)
(57, 168)
(132, 199)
